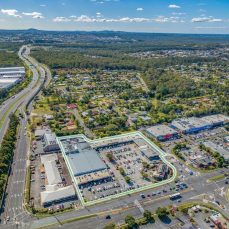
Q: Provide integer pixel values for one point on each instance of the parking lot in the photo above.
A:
(39, 177)
(130, 163)
(219, 132)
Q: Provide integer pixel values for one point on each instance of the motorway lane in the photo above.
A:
(16, 100)
(13, 205)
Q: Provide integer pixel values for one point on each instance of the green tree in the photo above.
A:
(110, 226)
(161, 212)
(148, 215)
(127, 179)
(121, 170)
(110, 157)
(130, 221)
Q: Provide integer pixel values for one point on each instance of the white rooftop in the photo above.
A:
(49, 157)
(160, 130)
(58, 194)
(52, 173)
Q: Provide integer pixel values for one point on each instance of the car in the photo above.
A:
(226, 182)
(7, 218)
(108, 217)
(142, 196)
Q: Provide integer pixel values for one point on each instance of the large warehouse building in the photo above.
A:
(194, 124)
(11, 76)
(162, 132)
(83, 159)
(54, 192)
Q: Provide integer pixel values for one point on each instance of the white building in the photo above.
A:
(51, 144)
(11, 76)
(55, 191)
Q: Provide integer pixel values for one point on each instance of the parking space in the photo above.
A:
(39, 175)
(120, 165)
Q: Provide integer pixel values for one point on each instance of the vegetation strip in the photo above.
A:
(69, 221)
(217, 178)
(7, 152)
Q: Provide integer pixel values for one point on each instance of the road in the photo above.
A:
(11, 105)
(199, 189)
(87, 131)
(13, 202)
(144, 85)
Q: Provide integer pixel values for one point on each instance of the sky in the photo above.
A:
(166, 16)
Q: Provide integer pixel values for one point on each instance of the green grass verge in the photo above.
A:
(217, 178)
(227, 195)
(10, 110)
(69, 221)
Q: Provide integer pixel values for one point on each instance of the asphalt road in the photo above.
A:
(13, 202)
(13, 103)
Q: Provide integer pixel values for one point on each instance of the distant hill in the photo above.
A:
(35, 35)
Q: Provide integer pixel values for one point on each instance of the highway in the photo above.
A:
(11, 105)
(13, 202)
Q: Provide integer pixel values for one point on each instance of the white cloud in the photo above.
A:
(206, 19)
(127, 19)
(211, 27)
(61, 19)
(177, 13)
(35, 15)
(173, 6)
(88, 19)
(42, 5)
(163, 19)
(103, 1)
(98, 14)
(139, 9)
(10, 12)
(203, 11)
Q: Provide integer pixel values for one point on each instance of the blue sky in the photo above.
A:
(178, 16)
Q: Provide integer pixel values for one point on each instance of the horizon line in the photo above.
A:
(115, 31)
